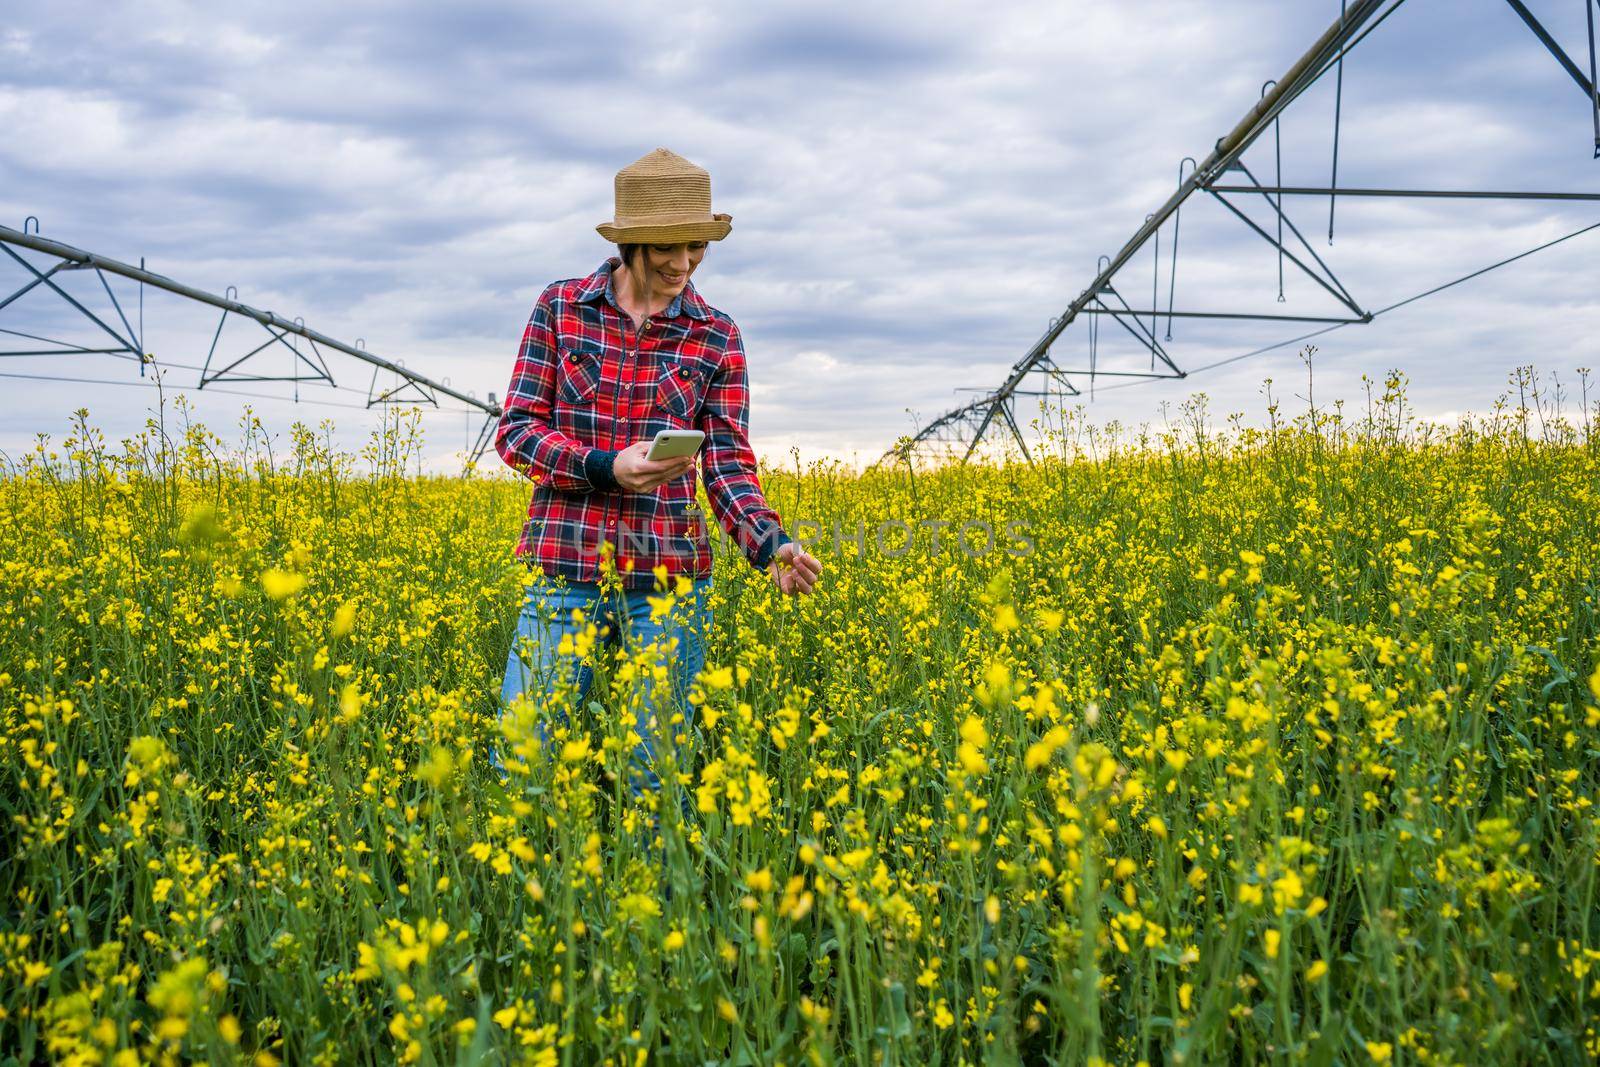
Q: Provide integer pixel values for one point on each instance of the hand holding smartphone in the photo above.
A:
(646, 465)
(671, 444)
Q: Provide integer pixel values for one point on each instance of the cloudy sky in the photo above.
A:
(916, 190)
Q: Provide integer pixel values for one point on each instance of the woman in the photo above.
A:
(606, 362)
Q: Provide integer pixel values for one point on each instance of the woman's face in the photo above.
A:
(665, 269)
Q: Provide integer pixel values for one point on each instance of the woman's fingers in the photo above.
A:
(798, 577)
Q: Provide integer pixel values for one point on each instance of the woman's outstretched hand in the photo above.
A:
(794, 570)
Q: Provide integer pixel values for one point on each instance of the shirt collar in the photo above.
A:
(598, 285)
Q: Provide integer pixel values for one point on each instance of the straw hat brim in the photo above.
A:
(660, 231)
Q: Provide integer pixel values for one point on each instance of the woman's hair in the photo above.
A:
(627, 252)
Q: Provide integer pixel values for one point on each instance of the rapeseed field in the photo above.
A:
(1191, 745)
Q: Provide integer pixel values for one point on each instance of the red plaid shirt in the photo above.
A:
(587, 384)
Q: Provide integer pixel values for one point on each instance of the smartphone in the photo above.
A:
(670, 444)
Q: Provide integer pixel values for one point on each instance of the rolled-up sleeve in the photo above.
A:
(729, 466)
(524, 436)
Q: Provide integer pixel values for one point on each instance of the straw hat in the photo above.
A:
(662, 198)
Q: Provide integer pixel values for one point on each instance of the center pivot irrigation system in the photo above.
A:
(1223, 176)
(123, 338)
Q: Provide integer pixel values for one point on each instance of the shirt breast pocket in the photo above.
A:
(577, 376)
(679, 391)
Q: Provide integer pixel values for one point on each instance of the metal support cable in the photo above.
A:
(1155, 291)
(1594, 78)
(1094, 340)
(1177, 218)
(1338, 105)
(1486, 270)
(1383, 311)
(1277, 150)
(1277, 205)
(66, 348)
(1392, 307)
(1100, 266)
(229, 392)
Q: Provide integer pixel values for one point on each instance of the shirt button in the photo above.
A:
(683, 372)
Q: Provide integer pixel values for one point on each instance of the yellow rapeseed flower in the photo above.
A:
(281, 584)
(344, 619)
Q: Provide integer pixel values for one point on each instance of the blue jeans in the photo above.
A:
(535, 665)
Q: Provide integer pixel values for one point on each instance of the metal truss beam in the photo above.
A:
(1458, 194)
(1330, 283)
(419, 393)
(129, 343)
(1555, 49)
(481, 443)
(1216, 315)
(276, 325)
(226, 374)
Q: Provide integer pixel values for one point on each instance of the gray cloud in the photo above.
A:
(915, 191)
